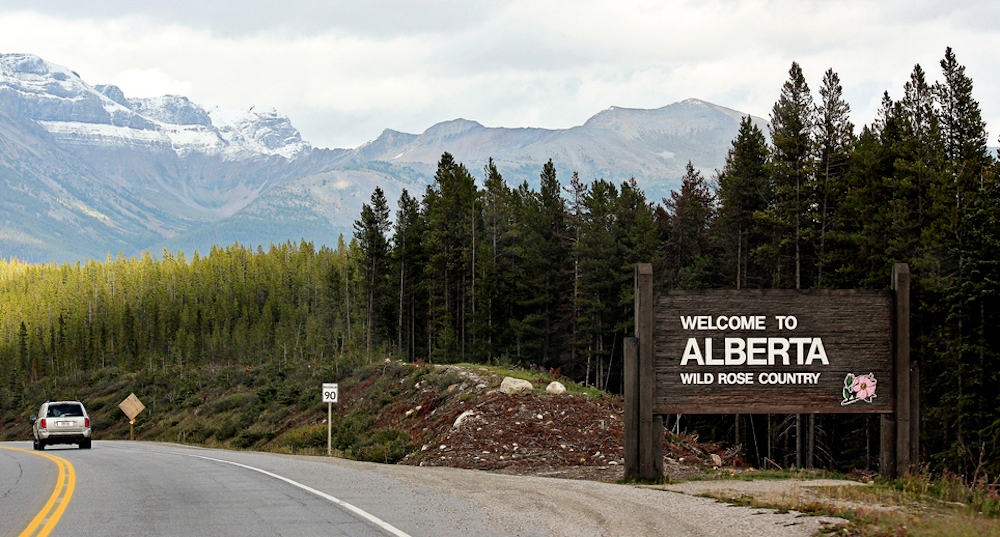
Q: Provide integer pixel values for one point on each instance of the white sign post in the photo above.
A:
(331, 395)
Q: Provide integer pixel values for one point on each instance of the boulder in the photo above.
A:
(513, 386)
(555, 388)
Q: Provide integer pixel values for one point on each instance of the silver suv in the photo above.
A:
(61, 422)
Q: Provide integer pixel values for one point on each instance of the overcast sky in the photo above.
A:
(344, 71)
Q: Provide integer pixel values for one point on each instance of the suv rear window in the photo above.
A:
(68, 410)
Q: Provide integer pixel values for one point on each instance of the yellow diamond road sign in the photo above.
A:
(131, 406)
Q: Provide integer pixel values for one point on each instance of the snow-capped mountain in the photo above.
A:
(96, 171)
(86, 170)
(76, 113)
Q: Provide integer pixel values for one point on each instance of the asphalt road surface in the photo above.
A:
(134, 489)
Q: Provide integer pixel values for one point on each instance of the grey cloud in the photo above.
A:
(369, 18)
(521, 51)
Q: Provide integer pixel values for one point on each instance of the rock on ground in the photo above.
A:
(513, 386)
(555, 388)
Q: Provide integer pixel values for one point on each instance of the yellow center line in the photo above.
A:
(65, 484)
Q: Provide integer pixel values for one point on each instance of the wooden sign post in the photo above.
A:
(768, 351)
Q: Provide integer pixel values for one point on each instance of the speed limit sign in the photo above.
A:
(330, 393)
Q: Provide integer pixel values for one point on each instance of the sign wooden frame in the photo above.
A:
(773, 352)
(769, 351)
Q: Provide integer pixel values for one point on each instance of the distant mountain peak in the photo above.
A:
(260, 128)
(20, 64)
(114, 93)
(102, 116)
(455, 127)
(171, 109)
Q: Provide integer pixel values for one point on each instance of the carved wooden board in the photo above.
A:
(773, 351)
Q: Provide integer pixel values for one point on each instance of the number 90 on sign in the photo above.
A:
(330, 393)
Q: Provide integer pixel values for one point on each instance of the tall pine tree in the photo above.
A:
(744, 192)
(792, 170)
(371, 232)
(834, 142)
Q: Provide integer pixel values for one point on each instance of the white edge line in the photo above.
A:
(356, 510)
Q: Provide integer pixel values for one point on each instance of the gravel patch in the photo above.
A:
(530, 505)
(758, 488)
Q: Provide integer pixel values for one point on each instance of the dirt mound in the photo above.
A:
(536, 433)
(573, 435)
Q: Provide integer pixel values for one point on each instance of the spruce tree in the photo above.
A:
(792, 167)
(408, 256)
(499, 262)
(545, 272)
(451, 214)
(370, 232)
(602, 269)
(689, 215)
(744, 192)
(793, 172)
(961, 356)
(834, 141)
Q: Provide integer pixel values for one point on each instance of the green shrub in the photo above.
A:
(274, 415)
(289, 395)
(246, 438)
(306, 437)
(351, 430)
(267, 393)
(225, 431)
(387, 445)
(441, 379)
(200, 433)
(235, 401)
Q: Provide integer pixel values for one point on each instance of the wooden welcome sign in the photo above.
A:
(768, 351)
(773, 351)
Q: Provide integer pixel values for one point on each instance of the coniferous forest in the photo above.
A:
(477, 270)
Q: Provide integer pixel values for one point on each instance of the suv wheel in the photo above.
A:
(84, 444)
(39, 445)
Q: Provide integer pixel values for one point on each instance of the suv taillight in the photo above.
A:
(42, 424)
(86, 422)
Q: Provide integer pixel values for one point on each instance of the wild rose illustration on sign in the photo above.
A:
(859, 388)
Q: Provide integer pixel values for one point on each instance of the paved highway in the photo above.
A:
(133, 489)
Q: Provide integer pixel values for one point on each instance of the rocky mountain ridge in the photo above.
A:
(86, 171)
(76, 113)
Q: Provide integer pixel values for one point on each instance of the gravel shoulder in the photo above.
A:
(531, 505)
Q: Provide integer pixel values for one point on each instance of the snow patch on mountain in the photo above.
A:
(263, 130)
(172, 110)
(79, 114)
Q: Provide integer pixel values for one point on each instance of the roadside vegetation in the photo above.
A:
(917, 505)
(268, 407)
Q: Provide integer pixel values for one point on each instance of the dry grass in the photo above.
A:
(918, 506)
